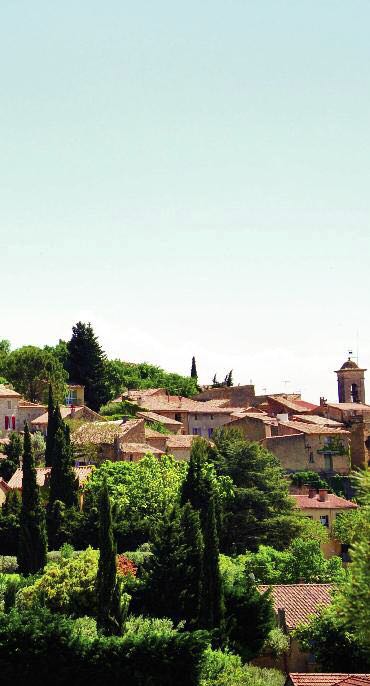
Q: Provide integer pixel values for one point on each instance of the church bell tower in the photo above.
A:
(351, 382)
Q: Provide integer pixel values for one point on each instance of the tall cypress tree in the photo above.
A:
(195, 486)
(175, 577)
(32, 534)
(63, 482)
(50, 436)
(86, 364)
(212, 602)
(110, 611)
(198, 490)
(193, 373)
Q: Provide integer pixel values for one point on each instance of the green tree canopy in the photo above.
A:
(31, 369)
(262, 510)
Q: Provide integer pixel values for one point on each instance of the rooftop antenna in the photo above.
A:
(286, 381)
(357, 344)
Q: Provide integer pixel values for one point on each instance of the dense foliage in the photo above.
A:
(302, 562)
(35, 644)
(261, 510)
(30, 369)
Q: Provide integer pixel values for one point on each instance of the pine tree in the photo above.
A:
(229, 378)
(193, 373)
(212, 602)
(63, 481)
(32, 534)
(86, 365)
(110, 610)
(50, 436)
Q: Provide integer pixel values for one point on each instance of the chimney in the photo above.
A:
(311, 492)
(323, 494)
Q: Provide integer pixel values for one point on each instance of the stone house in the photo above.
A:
(9, 401)
(294, 604)
(180, 446)
(324, 507)
(307, 446)
(170, 424)
(40, 423)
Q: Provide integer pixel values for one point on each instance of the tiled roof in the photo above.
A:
(315, 419)
(159, 418)
(141, 448)
(299, 600)
(41, 472)
(356, 407)
(8, 393)
(64, 411)
(332, 502)
(175, 404)
(329, 679)
(259, 416)
(151, 433)
(27, 403)
(180, 441)
(304, 428)
(103, 432)
(296, 405)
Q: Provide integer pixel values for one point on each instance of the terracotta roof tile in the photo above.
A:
(180, 441)
(296, 405)
(42, 472)
(332, 502)
(103, 432)
(299, 600)
(159, 418)
(329, 679)
(141, 448)
(304, 428)
(315, 419)
(8, 393)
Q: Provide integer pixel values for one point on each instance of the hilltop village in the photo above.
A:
(245, 516)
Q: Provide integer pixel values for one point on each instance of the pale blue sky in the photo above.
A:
(191, 177)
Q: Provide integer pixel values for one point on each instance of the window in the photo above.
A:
(6, 423)
(210, 432)
(311, 458)
(9, 404)
(196, 432)
(195, 416)
(324, 520)
(178, 417)
(13, 422)
(211, 416)
(72, 397)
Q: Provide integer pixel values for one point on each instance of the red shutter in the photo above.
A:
(6, 423)
(13, 422)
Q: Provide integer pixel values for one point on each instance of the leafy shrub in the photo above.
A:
(277, 643)
(8, 564)
(38, 643)
(125, 567)
(225, 669)
(67, 585)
